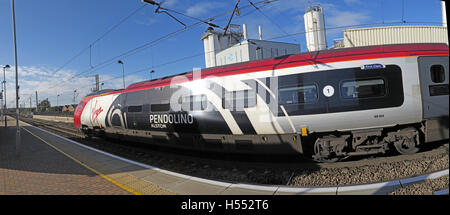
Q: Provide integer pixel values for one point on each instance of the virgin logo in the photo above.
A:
(95, 112)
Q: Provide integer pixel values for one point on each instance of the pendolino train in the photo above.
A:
(329, 104)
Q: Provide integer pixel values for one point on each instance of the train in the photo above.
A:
(328, 105)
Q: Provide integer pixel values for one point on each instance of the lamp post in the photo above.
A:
(57, 103)
(123, 73)
(74, 96)
(151, 72)
(18, 141)
(4, 90)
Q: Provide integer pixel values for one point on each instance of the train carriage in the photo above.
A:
(331, 104)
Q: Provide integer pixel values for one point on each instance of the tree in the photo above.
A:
(44, 105)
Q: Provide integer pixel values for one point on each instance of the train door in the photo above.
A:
(434, 80)
(136, 112)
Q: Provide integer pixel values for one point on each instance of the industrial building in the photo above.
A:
(403, 34)
(250, 49)
(234, 46)
(392, 35)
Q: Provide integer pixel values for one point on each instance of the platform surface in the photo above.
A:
(46, 163)
(43, 164)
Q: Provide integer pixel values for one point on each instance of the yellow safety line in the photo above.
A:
(93, 170)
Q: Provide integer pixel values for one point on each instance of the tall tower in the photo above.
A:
(444, 14)
(210, 43)
(315, 28)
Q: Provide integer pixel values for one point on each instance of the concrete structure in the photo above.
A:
(249, 50)
(315, 28)
(394, 35)
(216, 41)
(222, 49)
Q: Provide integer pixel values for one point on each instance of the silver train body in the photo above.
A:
(331, 104)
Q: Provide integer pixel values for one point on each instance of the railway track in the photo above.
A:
(263, 169)
(64, 129)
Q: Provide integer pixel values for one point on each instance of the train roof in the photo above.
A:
(103, 92)
(309, 58)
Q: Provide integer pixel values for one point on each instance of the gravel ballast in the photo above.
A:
(378, 172)
(427, 187)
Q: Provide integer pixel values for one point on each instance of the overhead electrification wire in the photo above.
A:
(118, 24)
(151, 43)
(290, 35)
(338, 27)
(273, 22)
(89, 47)
(161, 9)
(202, 53)
(229, 21)
(129, 53)
(278, 37)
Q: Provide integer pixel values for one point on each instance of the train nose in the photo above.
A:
(77, 115)
(76, 119)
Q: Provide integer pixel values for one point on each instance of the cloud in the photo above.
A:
(169, 3)
(147, 21)
(352, 2)
(49, 84)
(339, 18)
(149, 17)
(345, 18)
(204, 8)
(289, 6)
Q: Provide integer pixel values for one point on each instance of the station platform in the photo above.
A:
(45, 164)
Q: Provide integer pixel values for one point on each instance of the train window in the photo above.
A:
(160, 107)
(297, 94)
(227, 100)
(80, 105)
(237, 100)
(193, 103)
(437, 73)
(198, 102)
(135, 109)
(363, 88)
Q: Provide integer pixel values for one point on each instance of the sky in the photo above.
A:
(63, 44)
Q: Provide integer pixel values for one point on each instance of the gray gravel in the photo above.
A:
(428, 187)
(376, 172)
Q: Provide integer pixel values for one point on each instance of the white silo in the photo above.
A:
(444, 14)
(210, 44)
(315, 28)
